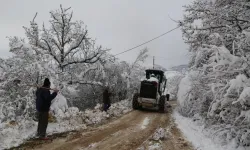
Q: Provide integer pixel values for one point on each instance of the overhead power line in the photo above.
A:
(148, 41)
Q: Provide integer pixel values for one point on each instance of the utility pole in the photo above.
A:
(153, 62)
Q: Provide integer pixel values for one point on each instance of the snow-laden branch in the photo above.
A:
(77, 44)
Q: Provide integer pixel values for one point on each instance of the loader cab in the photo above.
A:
(161, 85)
(157, 74)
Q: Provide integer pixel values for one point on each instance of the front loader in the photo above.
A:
(151, 93)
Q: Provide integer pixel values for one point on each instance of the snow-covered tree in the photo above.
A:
(20, 73)
(173, 81)
(218, 33)
(135, 72)
(65, 40)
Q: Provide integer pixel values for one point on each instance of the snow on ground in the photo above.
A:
(198, 136)
(155, 146)
(155, 141)
(145, 123)
(159, 134)
(12, 135)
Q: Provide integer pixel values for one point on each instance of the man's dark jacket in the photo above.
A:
(43, 99)
(106, 95)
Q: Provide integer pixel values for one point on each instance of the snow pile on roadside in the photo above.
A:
(120, 108)
(94, 116)
(12, 135)
(199, 136)
(59, 104)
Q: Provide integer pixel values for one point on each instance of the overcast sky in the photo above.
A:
(116, 24)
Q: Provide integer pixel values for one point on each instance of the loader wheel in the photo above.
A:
(135, 101)
(162, 104)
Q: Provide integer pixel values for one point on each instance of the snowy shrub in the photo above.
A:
(218, 82)
(173, 81)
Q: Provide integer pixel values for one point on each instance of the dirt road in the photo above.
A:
(130, 132)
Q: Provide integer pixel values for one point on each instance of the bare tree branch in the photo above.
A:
(34, 17)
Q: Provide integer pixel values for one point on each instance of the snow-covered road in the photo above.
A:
(135, 130)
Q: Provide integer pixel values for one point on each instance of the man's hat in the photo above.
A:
(46, 82)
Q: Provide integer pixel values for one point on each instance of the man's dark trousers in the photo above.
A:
(42, 123)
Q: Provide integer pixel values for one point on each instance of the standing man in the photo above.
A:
(167, 102)
(43, 102)
(106, 99)
(167, 96)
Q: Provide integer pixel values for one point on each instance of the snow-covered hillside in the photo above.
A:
(180, 68)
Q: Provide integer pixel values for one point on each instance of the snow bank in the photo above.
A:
(12, 135)
(120, 108)
(200, 137)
